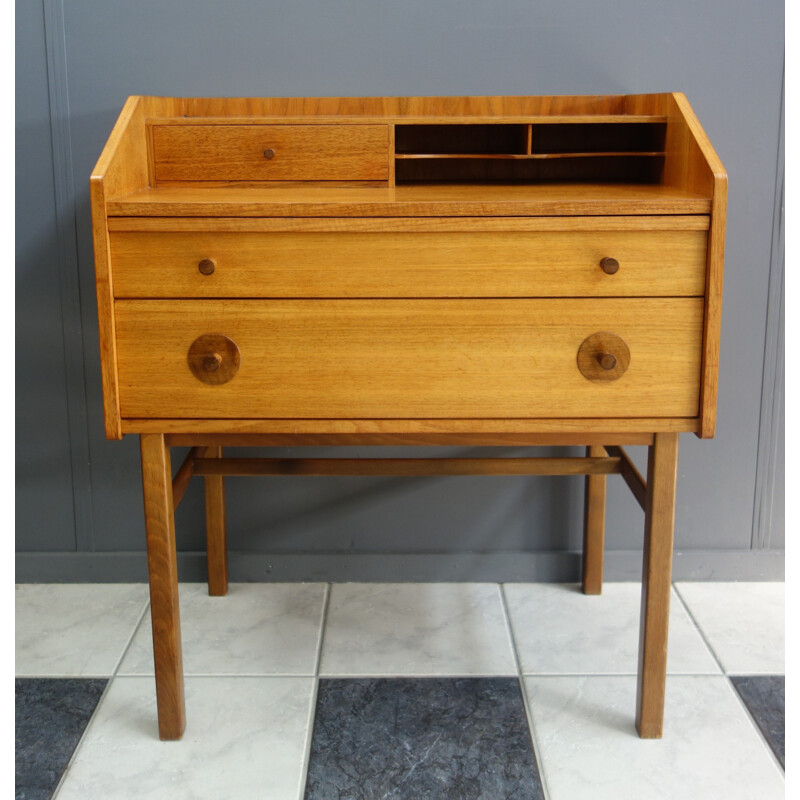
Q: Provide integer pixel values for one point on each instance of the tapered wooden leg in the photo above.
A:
(216, 540)
(162, 566)
(659, 523)
(594, 522)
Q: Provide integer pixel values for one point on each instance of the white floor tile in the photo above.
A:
(256, 629)
(743, 622)
(245, 738)
(416, 629)
(74, 630)
(589, 749)
(558, 630)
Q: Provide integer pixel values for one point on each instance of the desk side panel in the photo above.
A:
(692, 165)
(121, 169)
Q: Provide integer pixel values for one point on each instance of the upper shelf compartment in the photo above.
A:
(614, 149)
(403, 157)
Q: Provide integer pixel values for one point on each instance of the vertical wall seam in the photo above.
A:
(772, 378)
(68, 271)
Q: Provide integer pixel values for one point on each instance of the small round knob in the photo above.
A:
(269, 153)
(212, 362)
(207, 266)
(609, 265)
(606, 360)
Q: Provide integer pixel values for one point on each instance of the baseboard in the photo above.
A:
(507, 567)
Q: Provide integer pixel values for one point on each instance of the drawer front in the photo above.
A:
(409, 264)
(270, 152)
(329, 359)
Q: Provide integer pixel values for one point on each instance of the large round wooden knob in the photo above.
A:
(207, 266)
(269, 153)
(603, 356)
(213, 358)
(609, 265)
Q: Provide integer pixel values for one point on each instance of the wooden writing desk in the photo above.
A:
(413, 271)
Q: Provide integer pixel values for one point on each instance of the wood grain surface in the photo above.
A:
(162, 566)
(409, 358)
(410, 467)
(299, 152)
(408, 264)
(594, 522)
(436, 200)
(659, 523)
(216, 533)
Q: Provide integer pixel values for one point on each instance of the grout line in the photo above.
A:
(395, 676)
(79, 745)
(314, 692)
(537, 755)
(130, 639)
(670, 675)
(755, 673)
(323, 623)
(698, 629)
(109, 679)
(222, 675)
(728, 680)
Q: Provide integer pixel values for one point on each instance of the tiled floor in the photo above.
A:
(362, 691)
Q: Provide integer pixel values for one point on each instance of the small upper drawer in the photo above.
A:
(309, 262)
(270, 152)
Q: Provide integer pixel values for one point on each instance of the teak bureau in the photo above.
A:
(409, 271)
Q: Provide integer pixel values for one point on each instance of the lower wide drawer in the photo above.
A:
(373, 359)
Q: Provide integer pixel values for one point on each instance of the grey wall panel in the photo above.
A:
(726, 56)
(390, 515)
(778, 522)
(44, 512)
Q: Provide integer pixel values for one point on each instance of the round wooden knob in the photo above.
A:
(603, 356)
(212, 362)
(609, 265)
(269, 153)
(213, 358)
(607, 360)
(207, 266)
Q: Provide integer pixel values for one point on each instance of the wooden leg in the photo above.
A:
(162, 566)
(216, 543)
(659, 523)
(594, 521)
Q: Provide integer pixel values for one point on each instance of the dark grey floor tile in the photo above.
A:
(765, 698)
(414, 738)
(51, 715)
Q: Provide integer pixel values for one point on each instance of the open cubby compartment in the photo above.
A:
(537, 152)
(609, 138)
(422, 140)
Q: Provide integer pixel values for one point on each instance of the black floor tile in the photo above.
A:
(415, 738)
(765, 698)
(51, 715)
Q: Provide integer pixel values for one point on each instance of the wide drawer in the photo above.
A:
(270, 152)
(309, 263)
(406, 358)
